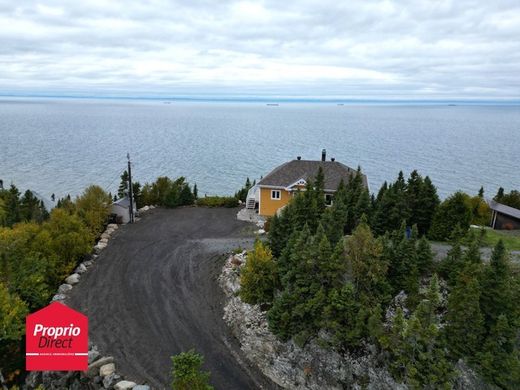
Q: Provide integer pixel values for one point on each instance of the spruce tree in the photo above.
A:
(426, 206)
(319, 193)
(465, 322)
(424, 256)
(366, 267)
(454, 211)
(12, 206)
(500, 194)
(123, 186)
(500, 359)
(496, 286)
(136, 192)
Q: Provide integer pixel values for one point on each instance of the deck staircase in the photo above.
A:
(251, 199)
(251, 202)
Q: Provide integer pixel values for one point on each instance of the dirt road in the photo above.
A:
(153, 293)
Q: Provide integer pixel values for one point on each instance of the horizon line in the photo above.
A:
(266, 98)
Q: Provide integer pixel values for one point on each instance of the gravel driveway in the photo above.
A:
(153, 293)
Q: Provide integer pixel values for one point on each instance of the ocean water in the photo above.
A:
(62, 145)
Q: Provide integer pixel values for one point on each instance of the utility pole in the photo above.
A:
(130, 192)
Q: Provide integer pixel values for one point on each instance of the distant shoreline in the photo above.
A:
(273, 99)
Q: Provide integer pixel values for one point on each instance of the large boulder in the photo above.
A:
(64, 288)
(82, 268)
(72, 279)
(141, 387)
(107, 369)
(93, 368)
(99, 247)
(124, 385)
(108, 381)
(59, 297)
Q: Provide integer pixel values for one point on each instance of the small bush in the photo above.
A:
(218, 201)
(187, 373)
(259, 277)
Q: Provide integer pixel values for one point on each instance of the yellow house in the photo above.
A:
(278, 187)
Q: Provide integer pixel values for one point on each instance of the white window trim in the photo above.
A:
(279, 194)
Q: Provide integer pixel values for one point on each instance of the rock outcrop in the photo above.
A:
(287, 364)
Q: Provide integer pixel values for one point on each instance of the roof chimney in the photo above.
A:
(299, 158)
(323, 155)
(332, 159)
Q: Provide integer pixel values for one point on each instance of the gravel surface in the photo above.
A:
(153, 293)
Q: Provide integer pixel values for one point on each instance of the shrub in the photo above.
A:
(218, 201)
(258, 278)
(168, 193)
(187, 374)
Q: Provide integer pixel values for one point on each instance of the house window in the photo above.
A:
(276, 194)
(328, 199)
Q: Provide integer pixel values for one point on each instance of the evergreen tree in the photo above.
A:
(391, 206)
(319, 191)
(195, 192)
(3, 212)
(12, 206)
(136, 192)
(427, 206)
(187, 373)
(452, 212)
(496, 286)
(453, 263)
(500, 194)
(414, 191)
(424, 256)
(481, 192)
(30, 207)
(500, 359)
(465, 322)
(378, 220)
(123, 186)
(417, 355)
(366, 267)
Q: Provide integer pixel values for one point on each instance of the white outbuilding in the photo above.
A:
(121, 208)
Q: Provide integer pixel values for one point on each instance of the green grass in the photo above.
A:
(511, 238)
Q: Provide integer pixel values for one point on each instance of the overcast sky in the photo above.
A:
(411, 49)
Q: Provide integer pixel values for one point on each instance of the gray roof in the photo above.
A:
(503, 209)
(292, 171)
(123, 202)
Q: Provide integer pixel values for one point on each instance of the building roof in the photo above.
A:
(289, 173)
(503, 209)
(123, 202)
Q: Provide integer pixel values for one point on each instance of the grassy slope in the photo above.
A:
(511, 238)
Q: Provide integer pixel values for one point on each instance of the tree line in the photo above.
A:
(317, 284)
(38, 250)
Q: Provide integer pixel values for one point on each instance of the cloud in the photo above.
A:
(369, 49)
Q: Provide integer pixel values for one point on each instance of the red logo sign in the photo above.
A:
(56, 339)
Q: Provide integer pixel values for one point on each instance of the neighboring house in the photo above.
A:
(504, 217)
(121, 208)
(277, 188)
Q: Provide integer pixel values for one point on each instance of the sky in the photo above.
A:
(406, 49)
